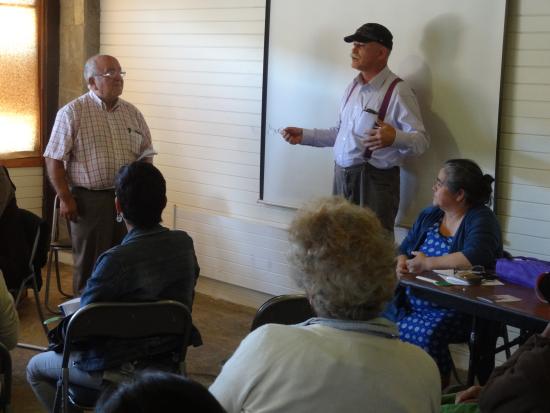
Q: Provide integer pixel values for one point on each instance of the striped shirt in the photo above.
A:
(94, 143)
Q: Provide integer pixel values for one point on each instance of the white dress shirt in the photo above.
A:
(403, 114)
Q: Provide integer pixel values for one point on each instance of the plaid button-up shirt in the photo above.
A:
(94, 143)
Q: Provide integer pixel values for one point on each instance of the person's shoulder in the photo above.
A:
(430, 211)
(402, 87)
(75, 105)
(276, 334)
(112, 253)
(412, 355)
(481, 212)
(128, 106)
(178, 234)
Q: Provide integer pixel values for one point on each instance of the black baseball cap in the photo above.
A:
(372, 32)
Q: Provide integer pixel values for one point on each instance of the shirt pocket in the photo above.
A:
(135, 140)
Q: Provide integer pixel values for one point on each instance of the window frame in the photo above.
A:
(48, 80)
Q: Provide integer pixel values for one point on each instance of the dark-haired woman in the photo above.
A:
(458, 231)
(155, 391)
(152, 263)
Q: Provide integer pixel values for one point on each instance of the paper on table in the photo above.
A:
(503, 298)
(445, 273)
(490, 283)
(448, 275)
(451, 279)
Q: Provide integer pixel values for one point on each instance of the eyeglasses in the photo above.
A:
(438, 183)
(111, 74)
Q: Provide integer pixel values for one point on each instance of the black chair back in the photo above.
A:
(37, 234)
(5, 371)
(283, 309)
(125, 321)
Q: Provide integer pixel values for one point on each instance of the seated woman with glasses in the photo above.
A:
(458, 231)
(152, 263)
(349, 359)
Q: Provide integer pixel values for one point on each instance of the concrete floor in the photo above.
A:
(222, 324)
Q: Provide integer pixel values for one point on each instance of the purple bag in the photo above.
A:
(521, 270)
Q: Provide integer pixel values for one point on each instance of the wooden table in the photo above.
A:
(527, 314)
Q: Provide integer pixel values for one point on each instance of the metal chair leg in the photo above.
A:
(58, 277)
(506, 340)
(48, 278)
(39, 311)
(53, 259)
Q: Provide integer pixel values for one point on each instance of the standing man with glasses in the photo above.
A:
(379, 125)
(93, 136)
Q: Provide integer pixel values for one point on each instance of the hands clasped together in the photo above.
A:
(415, 265)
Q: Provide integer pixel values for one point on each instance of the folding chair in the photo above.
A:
(5, 383)
(56, 244)
(283, 309)
(36, 231)
(119, 320)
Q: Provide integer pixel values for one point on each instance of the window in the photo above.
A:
(20, 118)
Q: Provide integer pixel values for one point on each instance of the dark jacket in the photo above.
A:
(478, 237)
(522, 383)
(15, 241)
(149, 265)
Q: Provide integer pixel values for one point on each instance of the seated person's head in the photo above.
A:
(154, 392)
(345, 259)
(141, 193)
(466, 175)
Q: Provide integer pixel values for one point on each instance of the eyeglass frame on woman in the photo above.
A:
(111, 74)
(438, 183)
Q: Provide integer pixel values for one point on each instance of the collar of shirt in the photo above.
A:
(378, 326)
(102, 104)
(376, 83)
(141, 232)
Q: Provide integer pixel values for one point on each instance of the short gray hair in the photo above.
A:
(90, 68)
(344, 257)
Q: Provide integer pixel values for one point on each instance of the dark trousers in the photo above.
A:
(94, 232)
(365, 185)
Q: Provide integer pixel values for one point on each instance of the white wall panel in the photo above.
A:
(182, 40)
(159, 88)
(211, 53)
(171, 5)
(246, 106)
(208, 116)
(523, 203)
(201, 177)
(184, 15)
(29, 188)
(524, 142)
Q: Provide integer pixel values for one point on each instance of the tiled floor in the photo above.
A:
(222, 325)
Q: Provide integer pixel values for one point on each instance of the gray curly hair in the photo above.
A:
(345, 259)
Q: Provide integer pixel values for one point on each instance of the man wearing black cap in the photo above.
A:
(368, 155)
